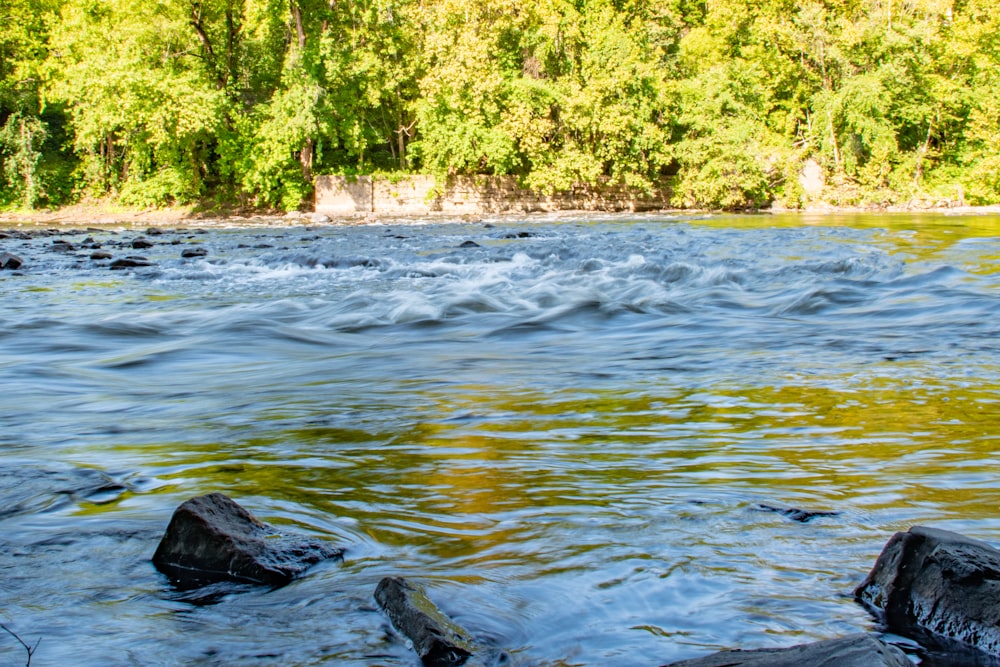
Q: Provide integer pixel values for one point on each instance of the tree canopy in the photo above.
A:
(156, 102)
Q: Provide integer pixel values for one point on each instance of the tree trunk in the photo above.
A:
(402, 147)
(28, 166)
(306, 160)
(918, 173)
(299, 28)
(833, 139)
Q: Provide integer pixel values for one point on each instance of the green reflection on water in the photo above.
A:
(476, 454)
(916, 237)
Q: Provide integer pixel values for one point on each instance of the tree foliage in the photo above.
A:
(172, 101)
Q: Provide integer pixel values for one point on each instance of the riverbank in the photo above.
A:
(101, 214)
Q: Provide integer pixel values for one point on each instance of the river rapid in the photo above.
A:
(569, 430)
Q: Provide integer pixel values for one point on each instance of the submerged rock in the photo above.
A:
(438, 640)
(797, 514)
(9, 261)
(935, 581)
(212, 538)
(859, 650)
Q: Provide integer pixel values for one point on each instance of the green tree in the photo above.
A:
(33, 168)
(144, 107)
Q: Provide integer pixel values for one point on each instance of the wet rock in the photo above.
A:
(193, 252)
(101, 254)
(141, 243)
(59, 245)
(859, 650)
(935, 581)
(154, 231)
(797, 514)
(9, 261)
(129, 263)
(212, 538)
(470, 244)
(438, 640)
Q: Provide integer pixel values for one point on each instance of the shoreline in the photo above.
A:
(80, 215)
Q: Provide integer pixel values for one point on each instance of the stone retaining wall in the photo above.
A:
(420, 195)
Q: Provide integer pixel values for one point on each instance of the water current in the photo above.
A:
(569, 430)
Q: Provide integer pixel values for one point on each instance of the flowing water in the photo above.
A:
(569, 432)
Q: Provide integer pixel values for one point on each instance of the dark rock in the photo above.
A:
(934, 581)
(101, 254)
(60, 245)
(858, 650)
(154, 231)
(129, 263)
(212, 538)
(193, 252)
(9, 261)
(470, 244)
(438, 640)
(796, 514)
(141, 243)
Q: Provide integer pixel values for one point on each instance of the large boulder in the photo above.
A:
(438, 640)
(858, 650)
(934, 581)
(212, 538)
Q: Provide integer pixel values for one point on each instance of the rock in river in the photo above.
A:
(438, 640)
(934, 581)
(797, 514)
(131, 262)
(859, 650)
(212, 538)
(9, 261)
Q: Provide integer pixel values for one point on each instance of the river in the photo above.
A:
(568, 430)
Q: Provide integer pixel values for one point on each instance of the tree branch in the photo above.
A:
(30, 649)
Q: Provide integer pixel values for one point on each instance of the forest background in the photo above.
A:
(241, 102)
